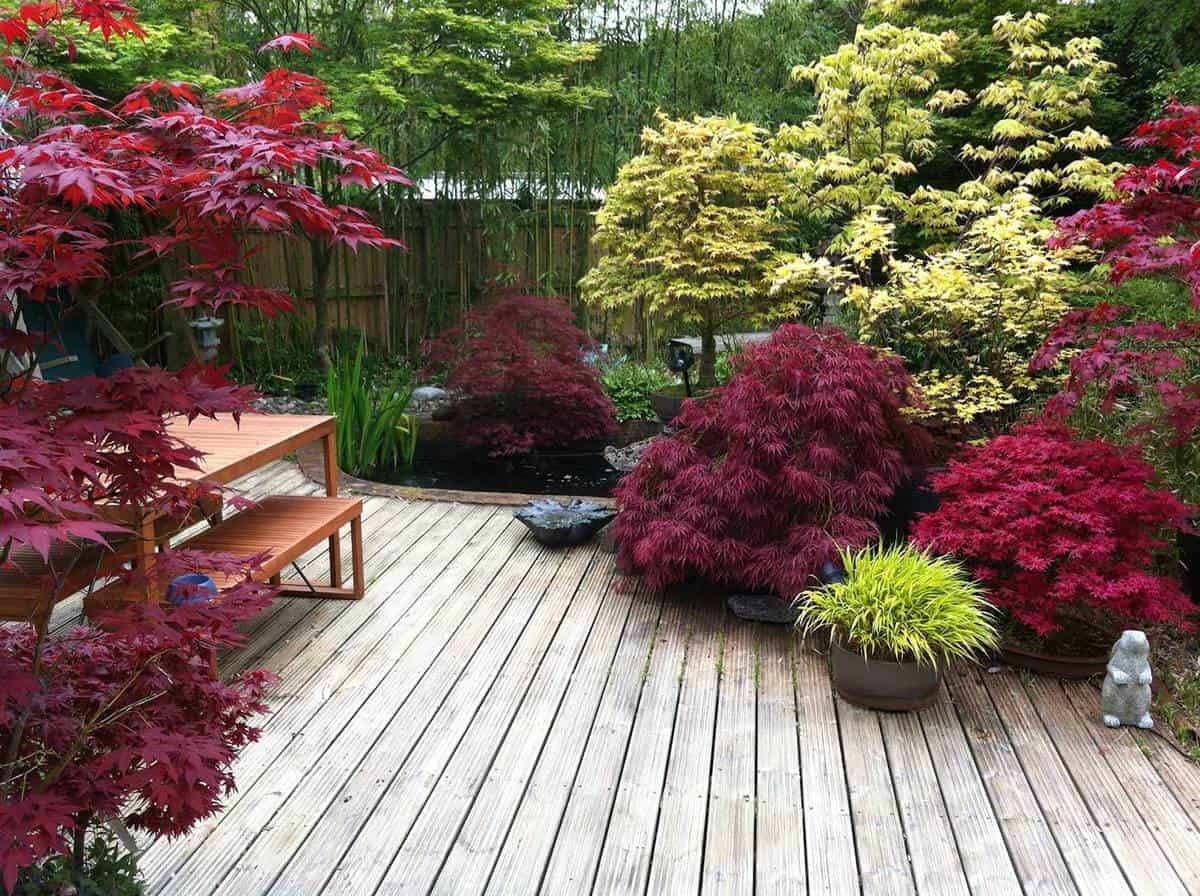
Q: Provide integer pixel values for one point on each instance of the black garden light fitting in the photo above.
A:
(680, 357)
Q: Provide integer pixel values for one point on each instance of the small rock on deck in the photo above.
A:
(494, 717)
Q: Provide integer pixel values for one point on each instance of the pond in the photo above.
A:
(583, 473)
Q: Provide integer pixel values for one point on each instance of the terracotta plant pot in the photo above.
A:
(882, 684)
(1072, 668)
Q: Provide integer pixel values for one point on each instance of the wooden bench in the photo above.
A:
(287, 526)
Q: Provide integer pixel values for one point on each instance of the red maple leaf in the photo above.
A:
(296, 40)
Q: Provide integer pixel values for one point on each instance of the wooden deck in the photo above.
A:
(498, 718)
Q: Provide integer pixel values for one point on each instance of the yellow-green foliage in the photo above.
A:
(688, 229)
(1037, 143)
(968, 318)
(902, 603)
(968, 311)
(873, 122)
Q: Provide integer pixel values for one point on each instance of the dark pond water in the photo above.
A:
(550, 473)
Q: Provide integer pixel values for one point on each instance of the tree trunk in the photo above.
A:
(708, 356)
(79, 847)
(322, 256)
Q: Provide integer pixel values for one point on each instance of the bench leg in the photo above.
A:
(356, 556)
(335, 590)
(335, 560)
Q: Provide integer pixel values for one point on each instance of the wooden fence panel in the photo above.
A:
(399, 297)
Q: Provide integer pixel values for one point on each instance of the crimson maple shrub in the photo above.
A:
(1152, 226)
(1062, 531)
(1132, 381)
(1136, 380)
(124, 720)
(518, 363)
(128, 720)
(761, 483)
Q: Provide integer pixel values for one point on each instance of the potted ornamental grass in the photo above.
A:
(896, 617)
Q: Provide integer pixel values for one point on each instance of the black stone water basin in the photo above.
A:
(564, 523)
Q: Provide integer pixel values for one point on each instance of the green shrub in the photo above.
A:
(373, 431)
(902, 603)
(630, 384)
(724, 366)
(107, 871)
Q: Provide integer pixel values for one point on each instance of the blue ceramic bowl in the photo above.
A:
(193, 588)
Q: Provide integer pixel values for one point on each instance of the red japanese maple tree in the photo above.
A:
(125, 720)
(1062, 531)
(518, 363)
(90, 721)
(760, 484)
(1153, 224)
(1142, 374)
(1121, 361)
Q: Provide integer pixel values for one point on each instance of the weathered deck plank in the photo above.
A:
(582, 736)
(531, 680)
(829, 838)
(1142, 857)
(495, 717)
(414, 690)
(937, 865)
(779, 864)
(981, 846)
(513, 779)
(1080, 839)
(302, 712)
(260, 864)
(678, 853)
(883, 852)
(729, 844)
(1166, 818)
(1035, 855)
(624, 865)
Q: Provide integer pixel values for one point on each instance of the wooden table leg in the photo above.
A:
(331, 489)
(143, 560)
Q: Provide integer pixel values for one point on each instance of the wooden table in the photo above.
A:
(232, 449)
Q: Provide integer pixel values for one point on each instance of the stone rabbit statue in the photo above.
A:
(1125, 696)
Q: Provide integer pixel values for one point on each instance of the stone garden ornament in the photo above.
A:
(1125, 696)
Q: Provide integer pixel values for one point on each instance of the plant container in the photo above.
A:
(668, 404)
(882, 683)
(192, 588)
(1189, 555)
(913, 498)
(1071, 668)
